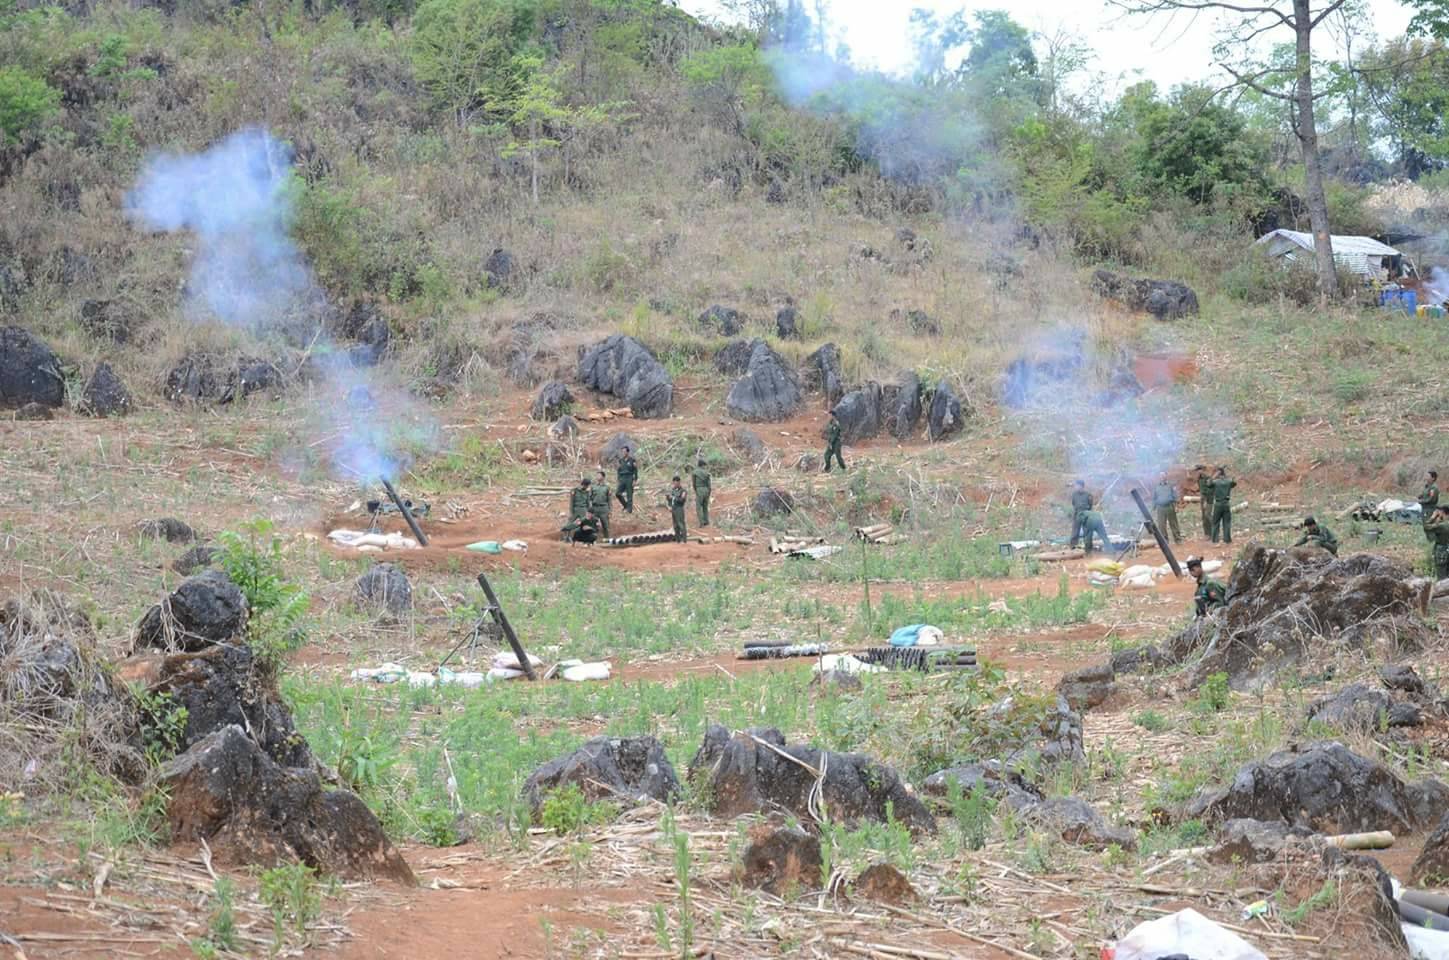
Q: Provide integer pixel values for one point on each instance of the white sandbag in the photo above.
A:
(462, 678)
(1211, 566)
(362, 540)
(1162, 571)
(1426, 944)
(420, 679)
(502, 673)
(514, 545)
(1143, 581)
(580, 672)
(1136, 570)
(845, 663)
(1186, 932)
(508, 660)
(1098, 579)
(929, 636)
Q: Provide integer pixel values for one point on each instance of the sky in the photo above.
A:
(1167, 49)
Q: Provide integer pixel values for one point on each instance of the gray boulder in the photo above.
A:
(946, 417)
(553, 401)
(612, 451)
(499, 269)
(1088, 687)
(385, 587)
(166, 528)
(755, 771)
(1431, 867)
(564, 428)
(786, 323)
(768, 392)
(1163, 299)
(859, 412)
(903, 411)
(34, 411)
(781, 861)
(724, 321)
(1360, 708)
(29, 370)
(994, 778)
(105, 395)
(747, 443)
(629, 770)
(1324, 787)
(1255, 841)
(771, 502)
(822, 373)
(623, 367)
(225, 790)
(365, 324)
(207, 378)
(1405, 679)
(1078, 822)
(206, 609)
(196, 559)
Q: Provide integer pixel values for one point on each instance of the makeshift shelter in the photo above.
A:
(1363, 256)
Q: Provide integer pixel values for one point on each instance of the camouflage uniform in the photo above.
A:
(1223, 508)
(628, 474)
(1319, 536)
(1205, 492)
(603, 505)
(675, 499)
(1428, 503)
(832, 444)
(1209, 594)
(1164, 499)
(1092, 523)
(701, 495)
(1081, 504)
(1438, 534)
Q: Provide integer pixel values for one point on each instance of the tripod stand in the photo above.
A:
(494, 610)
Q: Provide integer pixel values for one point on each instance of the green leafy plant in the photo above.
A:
(252, 558)
(972, 811)
(26, 102)
(566, 810)
(1152, 721)
(1214, 695)
(292, 895)
(163, 724)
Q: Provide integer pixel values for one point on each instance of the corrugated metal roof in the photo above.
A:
(1342, 246)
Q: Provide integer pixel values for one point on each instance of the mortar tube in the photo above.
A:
(1420, 917)
(1437, 902)
(407, 514)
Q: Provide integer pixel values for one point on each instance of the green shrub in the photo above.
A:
(26, 102)
(253, 561)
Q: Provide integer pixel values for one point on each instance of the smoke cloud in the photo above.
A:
(235, 198)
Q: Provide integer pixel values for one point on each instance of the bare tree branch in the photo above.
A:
(1325, 14)
(1163, 6)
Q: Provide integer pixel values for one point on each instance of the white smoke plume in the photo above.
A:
(236, 199)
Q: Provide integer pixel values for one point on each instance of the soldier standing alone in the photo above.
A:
(701, 492)
(1223, 505)
(1164, 498)
(628, 474)
(603, 502)
(675, 499)
(832, 442)
(1081, 506)
(1205, 497)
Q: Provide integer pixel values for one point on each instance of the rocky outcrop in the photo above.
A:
(623, 367)
(629, 770)
(1324, 787)
(1078, 822)
(104, 394)
(771, 502)
(613, 450)
(1431, 867)
(1285, 604)
(903, 406)
(781, 860)
(993, 778)
(733, 359)
(169, 529)
(553, 400)
(1088, 687)
(748, 444)
(822, 373)
(946, 418)
(768, 392)
(385, 587)
(756, 771)
(787, 323)
(208, 378)
(225, 790)
(1163, 299)
(859, 413)
(29, 370)
(725, 321)
(206, 609)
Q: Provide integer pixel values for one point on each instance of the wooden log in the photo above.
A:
(1055, 555)
(1373, 840)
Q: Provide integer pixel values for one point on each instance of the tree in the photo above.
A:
(1291, 84)
(1407, 83)
(1431, 18)
(467, 54)
(1193, 145)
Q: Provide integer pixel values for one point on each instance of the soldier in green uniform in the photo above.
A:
(675, 500)
(1317, 535)
(1081, 503)
(1209, 593)
(581, 512)
(1429, 500)
(628, 474)
(603, 502)
(1164, 499)
(701, 492)
(1092, 523)
(1205, 493)
(832, 442)
(1437, 530)
(1223, 505)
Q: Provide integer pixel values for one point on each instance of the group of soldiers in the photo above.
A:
(591, 503)
(1217, 509)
